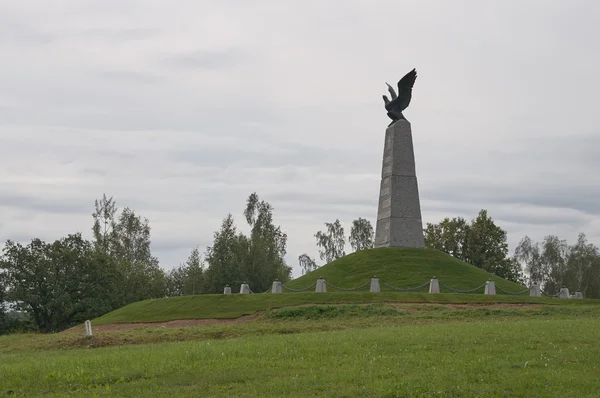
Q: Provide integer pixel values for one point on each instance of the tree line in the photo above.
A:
(50, 286)
(552, 263)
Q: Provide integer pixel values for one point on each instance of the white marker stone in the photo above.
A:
(434, 285)
(490, 287)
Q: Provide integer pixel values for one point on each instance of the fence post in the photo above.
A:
(227, 290)
(434, 285)
(88, 329)
(564, 292)
(375, 285)
(534, 290)
(276, 288)
(490, 287)
(244, 289)
(321, 286)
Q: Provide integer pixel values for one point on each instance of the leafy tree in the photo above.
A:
(486, 243)
(265, 247)
(257, 259)
(194, 270)
(362, 235)
(58, 284)
(126, 241)
(449, 236)
(481, 243)
(104, 228)
(223, 258)
(307, 264)
(187, 279)
(331, 242)
(553, 263)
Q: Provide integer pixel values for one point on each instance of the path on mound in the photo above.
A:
(181, 323)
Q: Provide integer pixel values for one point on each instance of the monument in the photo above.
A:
(399, 221)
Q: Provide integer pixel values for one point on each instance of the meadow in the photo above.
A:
(387, 349)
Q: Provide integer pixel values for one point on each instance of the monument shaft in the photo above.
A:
(399, 221)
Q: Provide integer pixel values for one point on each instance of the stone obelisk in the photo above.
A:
(399, 214)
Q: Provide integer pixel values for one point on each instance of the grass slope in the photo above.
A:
(402, 267)
(233, 306)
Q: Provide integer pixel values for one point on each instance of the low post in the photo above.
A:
(534, 290)
(321, 286)
(578, 295)
(564, 292)
(245, 289)
(490, 287)
(375, 285)
(434, 285)
(227, 290)
(276, 288)
(88, 329)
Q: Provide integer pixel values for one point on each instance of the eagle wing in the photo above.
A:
(405, 86)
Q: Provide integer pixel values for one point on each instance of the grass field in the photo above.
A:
(402, 267)
(378, 350)
(334, 344)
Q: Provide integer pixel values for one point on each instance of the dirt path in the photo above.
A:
(170, 324)
(410, 307)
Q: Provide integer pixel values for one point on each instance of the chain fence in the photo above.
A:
(513, 293)
(401, 289)
(348, 289)
(405, 289)
(462, 291)
(298, 290)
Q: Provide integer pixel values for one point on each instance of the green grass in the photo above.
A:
(382, 350)
(402, 267)
(233, 306)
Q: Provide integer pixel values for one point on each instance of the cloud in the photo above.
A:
(182, 112)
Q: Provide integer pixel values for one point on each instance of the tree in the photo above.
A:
(486, 243)
(481, 243)
(266, 246)
(223, 258)
(257, 259)
(58, 284)
(361, 234)
(126, 241)
(449, 236)
(307, 264)
(104, 224)
(331, 242)
(194, 270)
(553, 263)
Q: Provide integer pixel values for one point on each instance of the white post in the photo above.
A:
(276, 288)
(245, 289)
(375, 285)
(88, 329)
(534, 290)
(564, 292)
(434, 285)
(321, 286)
(227, 290)
(490, 287)
(578, 295)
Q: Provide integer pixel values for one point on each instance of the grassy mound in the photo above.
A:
(403, 268)
(215, 306)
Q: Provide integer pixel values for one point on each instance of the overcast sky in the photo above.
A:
(181, 109)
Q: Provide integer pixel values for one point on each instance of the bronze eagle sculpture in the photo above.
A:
(400, 102)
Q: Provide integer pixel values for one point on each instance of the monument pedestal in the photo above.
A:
(399, 221)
